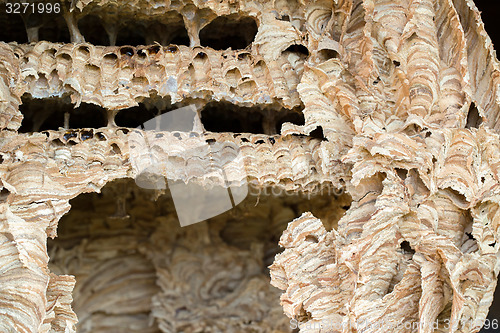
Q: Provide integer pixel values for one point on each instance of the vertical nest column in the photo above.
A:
(417, 250)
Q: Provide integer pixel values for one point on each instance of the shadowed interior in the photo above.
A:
(119, 240)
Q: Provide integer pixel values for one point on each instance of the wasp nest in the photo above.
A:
(371, 125)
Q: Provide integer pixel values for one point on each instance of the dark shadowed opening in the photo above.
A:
(474, 120)
(226, 117)
(91, 28)
(300, 49)
(317, 133)
(54, 113)
(49, 114)
(54, 29)
(136, 116)
(229, 32)
(117, 244)
(13, 29)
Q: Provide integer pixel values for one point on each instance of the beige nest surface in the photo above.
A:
(364, 132)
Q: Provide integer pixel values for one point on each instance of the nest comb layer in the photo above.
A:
(400, 108)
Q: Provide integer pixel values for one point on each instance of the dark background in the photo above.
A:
(490, 12)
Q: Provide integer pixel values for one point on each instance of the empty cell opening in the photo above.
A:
(406, 248)
(474, 120)
(317, 133)
(299, 49)
(54, 113)
(4, 193)
(402, 173)
(457, 197)
(127, 251)
(230, 31)
(284, 18)
(226, 117)
(131, 34)
(327, 54)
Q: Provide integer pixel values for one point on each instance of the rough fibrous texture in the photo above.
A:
(141, 269)
(400, 109)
